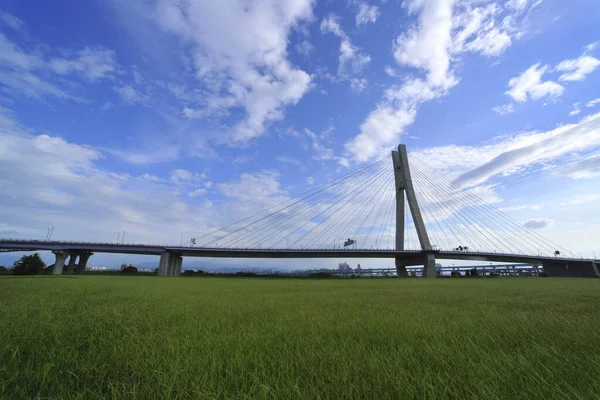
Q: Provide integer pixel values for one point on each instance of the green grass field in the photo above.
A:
(147, 337)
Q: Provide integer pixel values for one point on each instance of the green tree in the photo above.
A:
(29, 265)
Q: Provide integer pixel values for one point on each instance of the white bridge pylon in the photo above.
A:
(404, 187)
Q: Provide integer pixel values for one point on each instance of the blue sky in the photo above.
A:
(164, 118)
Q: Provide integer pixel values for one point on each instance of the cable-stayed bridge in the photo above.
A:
(397, 207)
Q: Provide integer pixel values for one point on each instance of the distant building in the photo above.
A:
(344, 268)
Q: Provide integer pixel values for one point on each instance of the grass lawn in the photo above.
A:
(147, 337)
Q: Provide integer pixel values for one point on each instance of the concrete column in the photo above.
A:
(177, 263)
(59, 262)
(171, 264)
(163, 266)
(401, 268)
(84, 256)
(429, 270)
(412, 199)
(71, 266)
(556, 268)
(404, 186)
(399, 202)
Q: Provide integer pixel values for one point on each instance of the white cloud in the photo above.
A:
(539, 223)
(524, 151)
(479, 32)
(591, 46)
(242, 159)
(197, 193)
(521, 5)
(592, 103)
(522, 207)
(358, 85)
(366, 13)
(351, 60)
(92, 63)
(427, 46)
(130, 95)
(149, 177)
(288, 160)
(529, 85)
(11, 21)
(322, 153)
(504, 109)
(576, 109)
(583, 169)
(444, 29)
(249, 71)
(305, 48)
(390, 71)
(184, 177)
(157, 154)
(590, 198)
(577, 69)
(79, 198)
(35, 75)
(262, 187)
(310, 180)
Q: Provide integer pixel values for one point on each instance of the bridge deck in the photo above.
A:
(410, 256)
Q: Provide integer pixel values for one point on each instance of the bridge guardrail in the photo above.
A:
(266, 250)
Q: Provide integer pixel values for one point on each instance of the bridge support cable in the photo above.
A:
(472, 214)
(477, 222)
(356, 194)
(334, 225)
(341, 229)
(517, 232)
(379, 213)
(441, 209)
(388, 227)
(290, 223)
(450, 213)
(353, 223)
(283, 206)
(244, 231)
(276, 223)
(329, 214)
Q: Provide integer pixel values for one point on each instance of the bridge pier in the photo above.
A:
(429, 270)
(84, 256)
(401, 268)
(59, 262)
(71, 266)
(170, 264)
(175, 265)
(576, 269)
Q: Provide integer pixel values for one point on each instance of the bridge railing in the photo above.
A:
(267, 250)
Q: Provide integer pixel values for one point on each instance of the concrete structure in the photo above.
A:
(572, 268)
(84, 257)
(71, 266)
(554, 266)
(170, 264)
(59, 263)
(404, 186)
